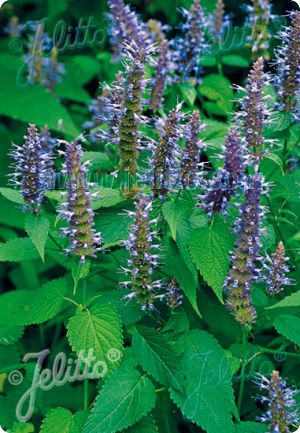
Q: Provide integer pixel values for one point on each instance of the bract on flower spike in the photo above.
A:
(282, 413)
(246, 256)
(277, 269)
(77, 209)
(31, 165)
(143, 258)
(287, 79)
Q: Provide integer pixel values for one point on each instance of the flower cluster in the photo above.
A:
(190, 156)
(174, 294)
(162, 68)
(143, 261)
(219, 22)
(254, 113)
(260, 14)
(31, 165)
(189, 48)
(245, 258)
(287, 79)
(277, 269)
(166, 153)
(77, 209)
(224, 185)
(281, 412)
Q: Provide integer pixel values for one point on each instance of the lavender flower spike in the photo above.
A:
(77, 210)
(277, 269)
(142, 260)
(221, 188)
(254, 110)
(244, 260)
(287, 80)
(162, 69)
(282, 412)
(189, 165)
(165, 163)
(31, 170)
(191, 46)
(218, 21)
(259, 20)
(174, 294)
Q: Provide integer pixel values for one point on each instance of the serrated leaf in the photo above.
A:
(250, 427)
(107, 197)
(292, 300)
(235, 60)
(146, 425)
(98, 161)
(124, 400)
(219, 89)
(188, 93)
(61, 420)
(156, 356)
(80, 271)
(289, 327)
(12, 195)
(31, 307)
(210, 247)
(37, 229)
(175, 212)
(276, 159)
(17, 250)
(206, 385)
(10, 334)
(98, 329)
(21, 427)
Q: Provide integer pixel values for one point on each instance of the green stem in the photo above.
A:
(278, 352)
(86, 400)
(243, 370)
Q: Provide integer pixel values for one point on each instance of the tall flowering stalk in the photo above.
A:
(282, 413)
(218, 21)
(277, 269)
(143, 260)
(287, 79)
(244, 260)
(77, 209)
(191, 46)
(126, 26)
(162, 69)
(174, 294)
(224, 185)
(31, 165)
(190, 158)
(166, 153)
(260, 14)
(254, 113)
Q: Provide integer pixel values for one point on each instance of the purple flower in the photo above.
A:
(220, 22)
(31, 165)
(143, 260)
(190, 156)
(245, 258)
(287, 80)
(282, 413)
(277, 269)
(77, 209)
(221, 188)
(162, 69)
(260, 14)
(190, 47)
(174, 294)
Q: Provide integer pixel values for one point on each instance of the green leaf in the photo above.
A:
(281, 121)
(31, 307)
(113, 225)
(63, 421)
(292, 300)
(210, 247)
(218, 89)
(250, 427)
(146, 425)
(80, 271)
(98, 161)
(12, 195)
(17, 250)
(124, 400)
(289, 327)
(82, 69)
(107, 197)
(206, 380)
(72, 91)
(98, 328)
(37, 229)
(276, 159)
(235, 60)
(156, 356)
(10, 334)
(175, 213)
(21, 427)
(188, 93)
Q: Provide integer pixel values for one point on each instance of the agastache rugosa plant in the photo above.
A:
(77, 209)
(254, 113)
(245, 258)
(143, 260)
(277, 269)
(189, 48)
(282, 413)
(162, 68)
(287, 80)
(190, 156)
(260, 14)
(226, 182)
(166, 153)
(31, 170)
(218, 21)
(174, 294)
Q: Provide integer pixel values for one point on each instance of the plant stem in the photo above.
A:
(243, 370)
(86, 400)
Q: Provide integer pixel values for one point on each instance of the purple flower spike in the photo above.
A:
(174, 294)
(277, 269)
(77, 210)
(282, 413)
(162, 70)
(31, 167)
(260, 14)
(143, 260)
